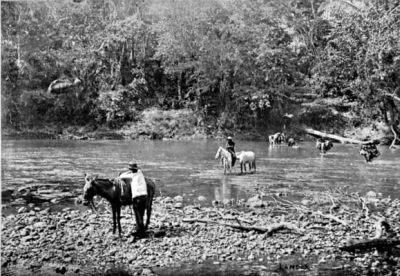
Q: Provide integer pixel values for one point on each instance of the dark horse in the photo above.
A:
(118, 193)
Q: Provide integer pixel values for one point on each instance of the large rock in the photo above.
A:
(255, 202)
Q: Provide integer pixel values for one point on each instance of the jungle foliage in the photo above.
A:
(237, 64)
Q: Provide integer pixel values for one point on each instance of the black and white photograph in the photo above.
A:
(200, 137)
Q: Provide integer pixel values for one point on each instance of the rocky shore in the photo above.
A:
(264, 234)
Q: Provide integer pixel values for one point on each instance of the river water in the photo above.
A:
(188, 167)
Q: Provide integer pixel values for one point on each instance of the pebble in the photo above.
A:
(40, 224)
(22, 210)
(305, 202)
(202, 198)
(55, 201)
(24, 232)
(178, 198)
(178, 205)
(147, 271)
(168, 200)
(44, 212)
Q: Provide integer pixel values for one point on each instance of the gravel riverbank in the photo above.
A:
(193, 239)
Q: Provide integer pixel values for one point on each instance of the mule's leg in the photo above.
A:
(148, 211)
(119, 219)
(114, 218)
(254, 165)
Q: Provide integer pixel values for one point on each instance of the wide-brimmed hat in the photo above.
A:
(229, 138)
(133, 166)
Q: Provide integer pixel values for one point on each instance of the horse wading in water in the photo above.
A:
(118, 193)
(246, 157)
(225, 157)
(291, 142)
(369, 151)
(323, 145)
(276, 139)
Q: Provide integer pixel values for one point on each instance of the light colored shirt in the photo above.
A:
(136, 181)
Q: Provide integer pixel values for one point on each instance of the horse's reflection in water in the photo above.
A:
(223, 193)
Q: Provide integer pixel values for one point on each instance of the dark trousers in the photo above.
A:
(232, 152)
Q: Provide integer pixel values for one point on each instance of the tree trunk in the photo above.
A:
(273, 227)
(18, 51)
(343, 140)
(380, 244)
(179, 86)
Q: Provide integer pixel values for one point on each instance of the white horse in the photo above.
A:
(226, 159)
(275, 138)
(246, 157)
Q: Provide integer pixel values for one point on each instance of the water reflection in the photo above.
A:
(224, 192)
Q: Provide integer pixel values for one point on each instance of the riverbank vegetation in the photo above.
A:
(236, 66)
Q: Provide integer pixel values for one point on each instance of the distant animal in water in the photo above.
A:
(276, 138)
(246, 157)
(112, 192)
(291, 142)
(323, 145)
(226, 159)
(369, 151)
(282, 138)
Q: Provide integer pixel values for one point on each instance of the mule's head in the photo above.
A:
(89, 190)
(218, 155)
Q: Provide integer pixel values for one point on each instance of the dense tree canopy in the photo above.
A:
(236, 63)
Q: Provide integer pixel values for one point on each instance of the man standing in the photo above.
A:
(231, 148)
(135, 178)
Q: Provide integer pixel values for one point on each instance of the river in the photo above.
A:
(188, 168)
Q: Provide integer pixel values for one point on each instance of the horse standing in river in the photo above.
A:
(276, 139)
(118, 193)
(369, 151)
(246, 157)
(226, 159)
(323, 145)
